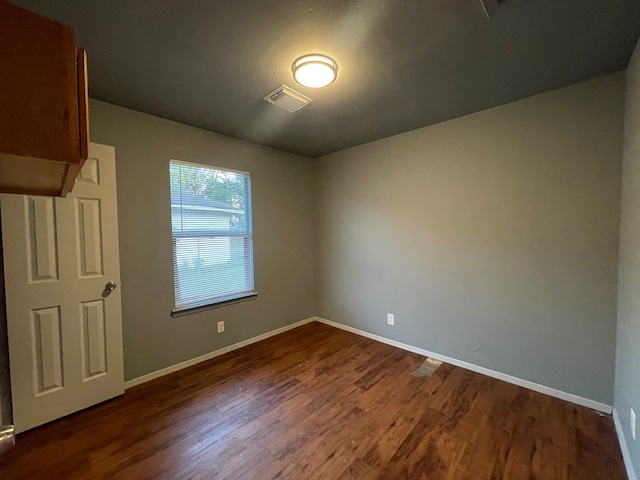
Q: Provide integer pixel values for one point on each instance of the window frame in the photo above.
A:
(228, 298)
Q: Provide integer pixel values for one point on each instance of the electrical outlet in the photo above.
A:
(221, 326)
(391, 319)
(633, 424)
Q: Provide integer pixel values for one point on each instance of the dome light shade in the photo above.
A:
(315, 71)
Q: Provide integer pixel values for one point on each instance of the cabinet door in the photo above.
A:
(39, 115)
(83, 117)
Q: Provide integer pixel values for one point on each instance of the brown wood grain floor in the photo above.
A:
(317, 402)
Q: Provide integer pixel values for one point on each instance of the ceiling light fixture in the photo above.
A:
(315, 71)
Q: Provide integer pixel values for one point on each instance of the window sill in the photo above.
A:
(179, 312)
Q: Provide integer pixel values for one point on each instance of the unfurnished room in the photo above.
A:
(320, 239)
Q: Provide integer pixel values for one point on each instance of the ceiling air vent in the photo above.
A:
(287, 98)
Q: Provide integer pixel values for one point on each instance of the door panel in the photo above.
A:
(88, 228)
(94, 340)
(41, 224)
(65, 327)
(46, 331)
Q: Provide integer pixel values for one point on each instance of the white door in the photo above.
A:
(65, 326)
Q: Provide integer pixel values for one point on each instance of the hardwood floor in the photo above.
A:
(317, 402)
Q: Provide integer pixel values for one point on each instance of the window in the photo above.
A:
(212, 236)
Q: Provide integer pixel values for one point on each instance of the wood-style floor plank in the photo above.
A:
(320, 403)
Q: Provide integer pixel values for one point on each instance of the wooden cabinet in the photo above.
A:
(44, 131)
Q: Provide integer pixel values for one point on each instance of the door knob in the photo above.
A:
(108, 288)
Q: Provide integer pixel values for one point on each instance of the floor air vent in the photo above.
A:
(287, 98)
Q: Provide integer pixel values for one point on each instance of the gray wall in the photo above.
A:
(627, 391)
(283, 237)
(492, 237)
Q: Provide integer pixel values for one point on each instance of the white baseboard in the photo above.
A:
(459, 363)
(626, 455)
(210, 355)
(569, 397)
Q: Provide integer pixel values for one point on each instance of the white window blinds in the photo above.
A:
(212, 235)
